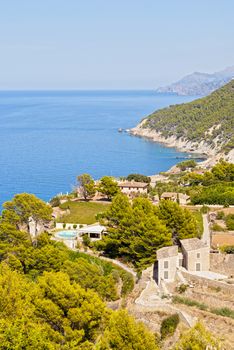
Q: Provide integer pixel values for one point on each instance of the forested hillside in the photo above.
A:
(52, 298)
(209, 119)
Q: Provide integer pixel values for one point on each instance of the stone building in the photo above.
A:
(132, 187)
(166, 264)
(181, 198)
(196, 254)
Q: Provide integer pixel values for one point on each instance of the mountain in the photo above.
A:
(205, 125)
(199, 83)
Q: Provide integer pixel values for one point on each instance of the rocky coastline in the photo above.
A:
(212, 153)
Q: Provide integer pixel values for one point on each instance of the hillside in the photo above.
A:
(199, 83)
(205, 125)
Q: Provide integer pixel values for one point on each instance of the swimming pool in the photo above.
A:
(66, 234)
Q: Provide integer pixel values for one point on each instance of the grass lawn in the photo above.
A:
(82, 212)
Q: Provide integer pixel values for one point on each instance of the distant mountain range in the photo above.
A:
(199, 83)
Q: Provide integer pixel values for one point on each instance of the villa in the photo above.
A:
(182, 198)
(194, 256)
(132, 187)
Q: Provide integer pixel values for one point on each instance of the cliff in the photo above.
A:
(205, 125)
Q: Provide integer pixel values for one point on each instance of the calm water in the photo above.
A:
(48, 138)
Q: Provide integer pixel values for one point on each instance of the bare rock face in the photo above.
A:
(35, 228)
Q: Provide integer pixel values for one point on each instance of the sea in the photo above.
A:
(47, 138)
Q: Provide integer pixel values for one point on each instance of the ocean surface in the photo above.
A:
(48, 138)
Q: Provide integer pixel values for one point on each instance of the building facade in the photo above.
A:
(194, 256)
(131, 188)
(181, 198)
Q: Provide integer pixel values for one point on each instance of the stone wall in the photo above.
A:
(202, 281)
(222, 263)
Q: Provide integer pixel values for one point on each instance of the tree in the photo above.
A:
(138, 178)
(86, 186)
(134, 231)
(190, 163)
(24, 206)
(108, 186)
(178, 220)
(124, 333)
(197, 338)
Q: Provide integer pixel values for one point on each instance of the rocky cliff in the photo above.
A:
(205, 125)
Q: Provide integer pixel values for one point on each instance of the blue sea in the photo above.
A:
(47, 138)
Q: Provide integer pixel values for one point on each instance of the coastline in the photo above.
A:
(213, 154)
(179, 143)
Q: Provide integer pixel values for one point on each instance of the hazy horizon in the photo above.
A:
(103, 45)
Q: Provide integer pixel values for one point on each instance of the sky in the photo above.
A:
(111, 44)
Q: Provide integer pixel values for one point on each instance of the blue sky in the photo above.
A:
(111, 44)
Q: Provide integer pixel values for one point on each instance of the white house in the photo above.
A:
(94, 232)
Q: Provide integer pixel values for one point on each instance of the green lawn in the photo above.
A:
(82, 212)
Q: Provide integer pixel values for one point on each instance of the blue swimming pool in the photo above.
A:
(66, 234)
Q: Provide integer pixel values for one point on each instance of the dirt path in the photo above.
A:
(206, 230)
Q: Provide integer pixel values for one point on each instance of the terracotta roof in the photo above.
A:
(168, 194)
(167, 252)
(133, 184)
(192, 244)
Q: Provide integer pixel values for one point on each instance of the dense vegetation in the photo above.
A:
(213, 187)
(52, 298)
(137, 229)
(138, 178)
(192, 120)
(204, 187)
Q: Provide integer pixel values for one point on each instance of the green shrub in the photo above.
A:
(86, 240)
(190, 302)
(55, 201)
(230, 222)
(169, 326)
(224, 311)
(217, 227)
(204, 209)
(128, 282)
(228, 249)
(187, 164)
(220, 215)
(182, 288)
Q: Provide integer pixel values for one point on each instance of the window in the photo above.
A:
(166, 264)
(166, 275)
(198, 255)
